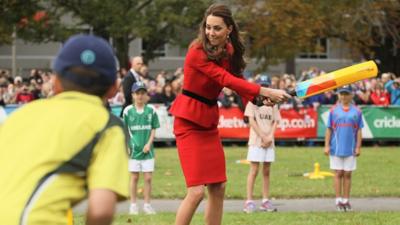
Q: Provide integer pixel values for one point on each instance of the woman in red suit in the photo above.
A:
(214, 60)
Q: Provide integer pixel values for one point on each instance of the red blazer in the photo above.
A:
(206, 78)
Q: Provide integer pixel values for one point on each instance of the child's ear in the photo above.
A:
(57, 86)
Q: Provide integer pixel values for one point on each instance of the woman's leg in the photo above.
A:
(215, 204)
(251, 177)
(189, 205)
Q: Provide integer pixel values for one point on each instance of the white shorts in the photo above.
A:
(146, 165)
(343, 163)
(259, 154)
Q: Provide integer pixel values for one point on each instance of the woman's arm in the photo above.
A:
(197, 59)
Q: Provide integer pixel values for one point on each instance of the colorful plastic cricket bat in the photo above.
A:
(335, 79)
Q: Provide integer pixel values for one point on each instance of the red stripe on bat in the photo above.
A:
(321, 86)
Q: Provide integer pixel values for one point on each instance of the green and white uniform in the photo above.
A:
(140, 125)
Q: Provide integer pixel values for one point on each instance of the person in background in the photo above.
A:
(275, 81)
(379, 96)
(56, 152)
(24, 95)
(330, 98)
(5, 96)
(230, 99)
(343, 144)
(362, 94)
(142, 122)
(3, 91)
(145, 74)
(392, 85)
(35, 75)
(166, 97)
(132, 77)
(18, 82)
(263, 121)
(118, 98)
(176, 84)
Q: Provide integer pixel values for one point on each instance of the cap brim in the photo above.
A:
(138, 89)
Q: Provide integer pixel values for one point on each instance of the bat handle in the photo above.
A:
(292, 93)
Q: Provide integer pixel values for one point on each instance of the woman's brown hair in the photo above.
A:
(237, 59)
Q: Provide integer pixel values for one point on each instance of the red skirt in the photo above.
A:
(200, 152)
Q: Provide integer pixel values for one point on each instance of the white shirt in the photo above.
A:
(136, 75)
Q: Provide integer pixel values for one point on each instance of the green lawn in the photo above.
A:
(333, 218)
(376, 174)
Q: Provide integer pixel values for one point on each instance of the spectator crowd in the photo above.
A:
(164, 86)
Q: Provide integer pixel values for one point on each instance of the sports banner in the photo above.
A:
(379, 122)
(294, 124)
(231, 124)
(298, 124)
(382, 122)
(166, 130)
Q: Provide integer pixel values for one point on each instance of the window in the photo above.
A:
(159, 52)
(320, 50)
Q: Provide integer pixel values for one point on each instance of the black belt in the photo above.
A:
(199, 98)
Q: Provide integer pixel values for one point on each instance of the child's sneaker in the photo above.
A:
(249, 207)
(347, 207)
(340, 207)
(147, 209)
(133, 209)
(267, 207)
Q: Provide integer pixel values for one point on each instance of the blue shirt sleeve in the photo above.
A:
(360, 121)
(329, 122)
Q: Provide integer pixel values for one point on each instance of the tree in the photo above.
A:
(278, 30)
(371, 28)
(156, 21)
(13, 13)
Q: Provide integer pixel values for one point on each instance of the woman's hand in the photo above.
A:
(275, 95)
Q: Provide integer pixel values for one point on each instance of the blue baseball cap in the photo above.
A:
(87, 51)
(263, 79)
(346, 89)
(138, 86)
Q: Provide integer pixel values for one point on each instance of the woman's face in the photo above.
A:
(216, 30)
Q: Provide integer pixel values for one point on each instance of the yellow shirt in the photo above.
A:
(52, 151)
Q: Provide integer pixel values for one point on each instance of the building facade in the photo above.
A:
(334, 55)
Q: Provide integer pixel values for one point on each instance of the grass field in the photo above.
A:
(376, 174)
(370, 218)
